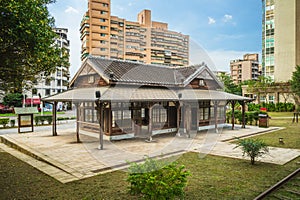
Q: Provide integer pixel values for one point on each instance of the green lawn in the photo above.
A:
(281, 114)
(212, 178)
(290, 134)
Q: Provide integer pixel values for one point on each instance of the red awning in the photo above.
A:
(33, 101)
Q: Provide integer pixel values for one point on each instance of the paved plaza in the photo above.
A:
(65, 160)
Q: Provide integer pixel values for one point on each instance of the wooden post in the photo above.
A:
(188, 120)
(243, 115)
(54, 133)
(216, 103)
(232, 115)
(109, 120)
(178, 116)
(150, 123)
(100, 116)
(77, 121)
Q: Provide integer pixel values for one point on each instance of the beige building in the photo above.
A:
(144, 41)
(245, 69)
(281, 38)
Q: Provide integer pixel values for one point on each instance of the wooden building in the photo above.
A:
(129, 99)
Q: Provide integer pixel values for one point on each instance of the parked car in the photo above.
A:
(5, 109)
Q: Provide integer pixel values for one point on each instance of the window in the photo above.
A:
(58, 82)
(159, 115)
(105, 4)
(102, 20)
(201, 82)
(103, 27)
(91, 79)
(47, 92)
(102, 41)
(121, 118)
(34, 91)
(102, 12)
(271, 99)
(102, 49)
(102, 34)
(48, 82)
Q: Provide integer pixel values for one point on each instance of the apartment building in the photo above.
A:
(280, 38)
(144, 41)
(245, 69)
(50, 84)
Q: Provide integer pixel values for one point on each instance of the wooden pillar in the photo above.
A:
(54, 108)
(187, 120)
(243, 114)
(77, 120)
(100, 116)
(109, 119)
(178, 116)
(150, 128)
(216, 104)
(232, 114)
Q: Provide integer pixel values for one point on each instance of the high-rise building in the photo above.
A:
(281, 38)
(50, 84)
(245, 69)
(143, 41)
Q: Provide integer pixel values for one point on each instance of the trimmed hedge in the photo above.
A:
(271, 107)
(41, 119)
(4, 122)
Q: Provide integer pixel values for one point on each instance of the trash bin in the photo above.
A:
(263, 120)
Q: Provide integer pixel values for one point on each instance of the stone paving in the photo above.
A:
(64, 159)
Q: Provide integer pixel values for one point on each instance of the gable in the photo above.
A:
(204, 78)
(88, 76)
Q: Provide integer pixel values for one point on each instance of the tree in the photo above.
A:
(295, 84)
(26, 43)
(253, 148)
(261, 86)
(229, 85)
(13, 99)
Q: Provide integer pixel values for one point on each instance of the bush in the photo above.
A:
(41, 119)
(12, 123)
(4, 122)
(157, 180)
(253, 148)
(271, 107)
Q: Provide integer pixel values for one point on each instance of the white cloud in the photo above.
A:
(71, 10)
(227, 18)
(211, 20)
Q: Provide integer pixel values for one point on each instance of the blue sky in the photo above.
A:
(220, 30)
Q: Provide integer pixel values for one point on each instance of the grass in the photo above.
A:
(281, 114)
(212, 177)
(290, 134)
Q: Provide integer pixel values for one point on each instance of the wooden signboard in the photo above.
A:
(25, 117)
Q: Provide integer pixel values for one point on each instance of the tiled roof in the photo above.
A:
(129, 93)
(139, 73)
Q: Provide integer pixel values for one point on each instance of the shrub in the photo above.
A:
(41, 119)
(250, 117)
(12, 123)
(48, 119)
(253, 148)
(36, 120)
(4, 122)
(157, 180)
